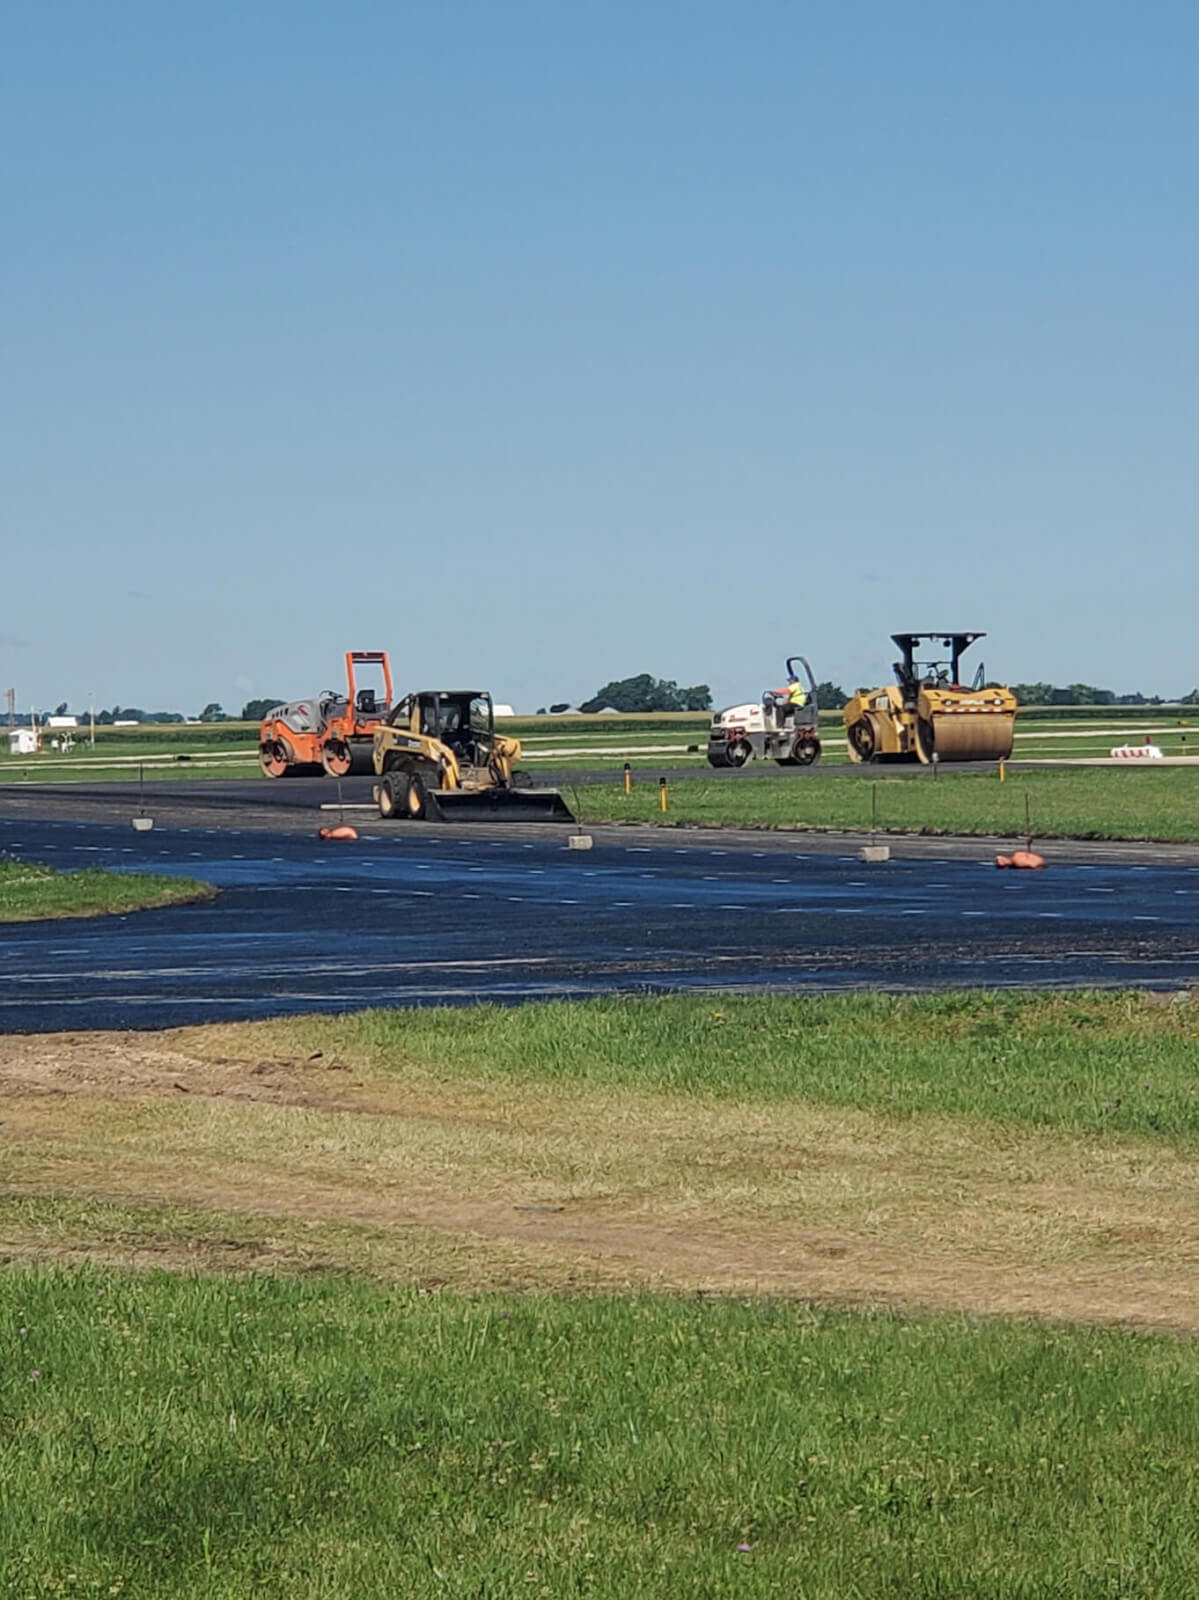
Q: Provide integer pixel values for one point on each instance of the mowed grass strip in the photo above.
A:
(211, 1438)
(1077, 803)
(31, 891)
(967, 1153)
(1092, 1063)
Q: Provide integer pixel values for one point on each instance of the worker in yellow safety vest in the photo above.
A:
(791, 698)
(794, 694)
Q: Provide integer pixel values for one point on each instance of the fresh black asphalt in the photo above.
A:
(425, 915)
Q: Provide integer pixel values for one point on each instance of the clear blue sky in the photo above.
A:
(545, 343)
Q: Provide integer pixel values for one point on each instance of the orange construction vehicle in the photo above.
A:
(332, 732)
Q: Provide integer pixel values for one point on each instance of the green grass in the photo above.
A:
(30, 891)
(1089, 1063)
(214, 1439)
(1083, 803)
(65, 770)
(184, 750)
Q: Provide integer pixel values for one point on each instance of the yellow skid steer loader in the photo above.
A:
(439, 757)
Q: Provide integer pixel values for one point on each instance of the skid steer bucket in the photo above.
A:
(497, 805)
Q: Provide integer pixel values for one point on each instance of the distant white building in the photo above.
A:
(62, 722)
(22, 742)
(504, 711)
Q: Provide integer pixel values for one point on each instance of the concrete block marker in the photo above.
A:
(873, 853)
(579, 841)
(142, 823)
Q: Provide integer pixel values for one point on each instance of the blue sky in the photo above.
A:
(547, 343)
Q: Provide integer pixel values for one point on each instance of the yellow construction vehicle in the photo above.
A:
(926, 714)
(438, 756)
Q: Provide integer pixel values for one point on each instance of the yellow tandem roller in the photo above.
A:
(927, 714)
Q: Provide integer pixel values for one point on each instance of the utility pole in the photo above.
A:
(11, 696)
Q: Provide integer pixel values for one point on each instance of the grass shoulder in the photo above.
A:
(1076, 803)
(1092, 1063)
(30, 891)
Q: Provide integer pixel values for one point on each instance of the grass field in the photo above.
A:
(1084, 802)
(621, 1298)
(208, 1438)
(30, 891)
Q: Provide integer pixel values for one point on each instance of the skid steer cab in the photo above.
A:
(783, 726)
(438, 757)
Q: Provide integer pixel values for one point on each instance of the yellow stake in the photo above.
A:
(628, 779)
(1003, 772)
(661, 794)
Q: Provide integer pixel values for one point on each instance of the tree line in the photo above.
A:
(648, 694)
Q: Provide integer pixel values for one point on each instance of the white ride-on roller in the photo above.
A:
(771, 729)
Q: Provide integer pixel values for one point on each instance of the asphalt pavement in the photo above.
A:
(422, 915)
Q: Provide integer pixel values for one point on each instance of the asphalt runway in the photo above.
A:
(413, 916)
(309, 793)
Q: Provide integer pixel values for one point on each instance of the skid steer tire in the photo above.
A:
(391, 788)
(414, 801)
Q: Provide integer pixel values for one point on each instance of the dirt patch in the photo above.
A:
(135, 1147)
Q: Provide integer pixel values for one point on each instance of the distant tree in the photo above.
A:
(213, 713)
(1191, 699)
(830, 696)
(558, 707)
(255, 710)
(1033, 694)
(540, 712)
(61, 711)
(165, 716)
(645, 693)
